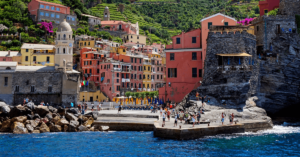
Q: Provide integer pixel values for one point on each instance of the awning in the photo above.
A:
(235, 55)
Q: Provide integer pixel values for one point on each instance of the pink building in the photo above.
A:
(268, 5)
(183, 66)
(213, 20)
(9, 56)
(136, 75)
(121, 25)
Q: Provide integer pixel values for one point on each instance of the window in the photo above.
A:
(117, 74)
(144, 77)
(32, 89)
(134, 76)
(194, 40)
(34, 58)
(57, 9)
(97, 71)
(42, 13)
(177, 40)
(123, 84)
(52, 15)
(140, 76)
(73, 19)
(265, 11)
(140, 61)
(41, 6)
(172, 56)
(90, 62)
(160, 76)
(17, 89)
(194, 56)
(131, 85)
(26, 50)
(47, 14)
(138, 37)
(144, 67)
(157, 68)
(257, 28)
(122, 75)
(201, 55)
(131, 60)
(172, 72)
(50, 89)
(139, 85)
(85, 70)
(47, 7)
(143, 85)
(57, 16)
(5, 81)
(90, 70)
(52, 8)
(26, 58)
(68, 18)
(157, 76)
(134, 60)
(225, 23)
(131, 76)
(56, 21)
(117, 80)
(148, 68)
(118, 88)
(194, 72)
(48, 59)
(162, 69)
(209, 25)
(200, 72)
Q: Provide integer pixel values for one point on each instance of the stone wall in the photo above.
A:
(289, 7)
(266, 28)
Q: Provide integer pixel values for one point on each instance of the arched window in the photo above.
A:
(8, 68)
(58, 36)
(64, 36)
(69, 36)
(57, 50)
(64, 50)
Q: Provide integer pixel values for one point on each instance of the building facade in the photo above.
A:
(121, 26)
(37, 55)
(267, 5)
(133, 38)
(183, 66)
(10, 56)
(92, 20)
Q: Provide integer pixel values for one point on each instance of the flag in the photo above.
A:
(87, 83)
(83, 82)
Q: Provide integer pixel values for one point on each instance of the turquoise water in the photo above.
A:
(280, 141)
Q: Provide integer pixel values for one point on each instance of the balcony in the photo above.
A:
(64, 38)
(43, 52)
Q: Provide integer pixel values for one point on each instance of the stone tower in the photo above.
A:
(64, 47)
(106, 16)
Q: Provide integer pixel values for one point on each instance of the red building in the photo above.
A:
(183, 66)
(121, 25)
(268, 5)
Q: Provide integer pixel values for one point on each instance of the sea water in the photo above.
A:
(279, 141)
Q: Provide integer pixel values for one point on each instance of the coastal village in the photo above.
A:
(226, 67)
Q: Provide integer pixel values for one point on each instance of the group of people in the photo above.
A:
(231, 118)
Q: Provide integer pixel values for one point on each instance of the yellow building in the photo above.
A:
(86, 43)
(146, 74)
(37, 55)
(91, 96)
(122, 50)
(133, 38)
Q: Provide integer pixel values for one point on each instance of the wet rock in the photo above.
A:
(21, 119)
(74, 111)
(56, 120)
(82, 128)
(54, 128)
(52, 109)
(36, 116)
(4, 108)
(65, 128)
(70, 116)
(35, 131)
(19, 111)
(89, 122)
(6, 126)
(29, 128)
(44, 128)
(92, 129)
(73, 126)
(49, 116)
(42, 110)
(33, 123)
(61, 111)
(18, 128)
(63, 122)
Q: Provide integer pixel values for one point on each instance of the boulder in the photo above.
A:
(74, 111)
(36, 116)
(38, 121)
(82, 128)
(84, 118)
(18, 128)
(42, 110)
(89, 122)
(73, 126)
(56, 120)
(96, 130)
(19, 111)
(31, 105)
(49, 116)
(92, 114)
(61, 111)
(52, 109)
(70, 116)
(45, 120)
(30, 117)
(63, 122)
(65, 128)
(104, 128)
(21, 119)
(4, 108)
(35, 131)
(5, 126)
(0, 124)
(44, 128)
(32, 123)
(54, 128)
(92, 129)
(29, 128)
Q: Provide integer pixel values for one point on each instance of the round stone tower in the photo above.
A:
(64, 47)
(106, 16)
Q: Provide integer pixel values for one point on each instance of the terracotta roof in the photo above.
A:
(51, 3)
(217, 15)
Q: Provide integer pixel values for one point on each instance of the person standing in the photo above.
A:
(48, 105)
(161, 111)
(175, 122)
(26, 100)
(202, 99)
(231, 118)
(151, 108)
(72, 105)
(120, 108)
(198, 118)
(100, 105)
(168, 114)
(223, 115)
(197, 96)
(193, 119)
(93, 106)
(164, 118)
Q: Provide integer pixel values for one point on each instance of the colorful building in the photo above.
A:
(268, 5)
(91, 96)
(183, 66)
(134, 38)
(41, 10)
(10, 56)
(37, 54)
(214, 20)
(129, 28)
